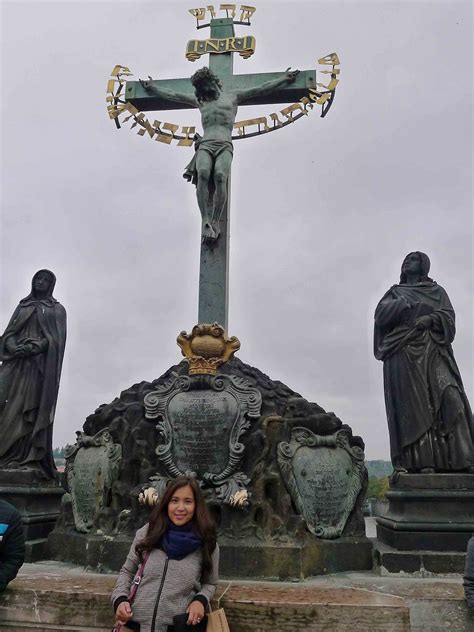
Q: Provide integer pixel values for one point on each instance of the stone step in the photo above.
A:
(48, 596)
(436, 602)
(418, 563)
(269, 607)
(35, 550)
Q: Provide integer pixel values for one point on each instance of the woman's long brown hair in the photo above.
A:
(202, 521)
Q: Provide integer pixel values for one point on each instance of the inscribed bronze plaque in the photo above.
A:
(201, 423)
(92, 465)
(324, 476)
(201, 420)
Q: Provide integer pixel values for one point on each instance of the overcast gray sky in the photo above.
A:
(322, 212)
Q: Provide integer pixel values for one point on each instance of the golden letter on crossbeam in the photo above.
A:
(132, 109)
(247, 12)
(212, 44)
(171, 127)
(241, 125)
(199, 14)
(147, 127)
(327, 60)
(331, 85)
(116, 110)
(120, 70)
(189, 133)
(320, 98)
(227, 8)
(211, 10)
(276, 120)
(288, 112)
(164, 138)
(305, 101)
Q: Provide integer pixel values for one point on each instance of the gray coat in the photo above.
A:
(179, 581)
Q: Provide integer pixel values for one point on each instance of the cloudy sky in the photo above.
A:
(322, 211)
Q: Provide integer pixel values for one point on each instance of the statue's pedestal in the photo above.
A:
(428, 514)
(250, 559)
(297, 560)
(38, 502)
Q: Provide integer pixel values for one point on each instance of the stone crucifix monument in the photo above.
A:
(285, 479)
(218, 93)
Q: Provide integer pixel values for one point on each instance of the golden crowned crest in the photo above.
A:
(206, 348)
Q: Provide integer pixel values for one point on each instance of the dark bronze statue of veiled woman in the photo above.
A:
(31, 350)
(429, 417)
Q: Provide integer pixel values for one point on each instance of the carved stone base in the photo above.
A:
(92, 551)
(429, 512)
(38, 503)
(313, 557)
(249, 560)
(243, 435)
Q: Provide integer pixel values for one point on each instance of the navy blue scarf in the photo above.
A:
(179, 541)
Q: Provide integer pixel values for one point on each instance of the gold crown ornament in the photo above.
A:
(206, 348)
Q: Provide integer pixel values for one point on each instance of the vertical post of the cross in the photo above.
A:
(214, 265)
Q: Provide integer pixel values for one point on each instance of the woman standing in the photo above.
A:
(181, 562)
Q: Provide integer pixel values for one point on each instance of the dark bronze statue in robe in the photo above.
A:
(31, 350)
(429, 417)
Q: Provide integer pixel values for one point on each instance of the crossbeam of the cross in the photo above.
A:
(136, 94)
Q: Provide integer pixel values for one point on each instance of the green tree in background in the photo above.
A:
(377, 488)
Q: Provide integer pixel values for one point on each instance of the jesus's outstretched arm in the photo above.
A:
(269, 86)
(166, 93)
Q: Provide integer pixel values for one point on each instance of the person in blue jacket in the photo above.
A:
(12, 543)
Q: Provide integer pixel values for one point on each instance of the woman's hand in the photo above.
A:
(196, 612)
(123, 613)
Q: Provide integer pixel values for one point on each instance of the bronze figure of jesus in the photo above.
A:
(210, 167)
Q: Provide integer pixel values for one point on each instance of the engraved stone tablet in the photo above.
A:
(201, 420)
(324, 475)
(92, 466)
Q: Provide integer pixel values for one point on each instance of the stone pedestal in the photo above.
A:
(284, 480)
(311, 558)
(249, 560)
(427, 513)
(38, 502)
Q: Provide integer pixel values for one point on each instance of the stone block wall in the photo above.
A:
(74, 601)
